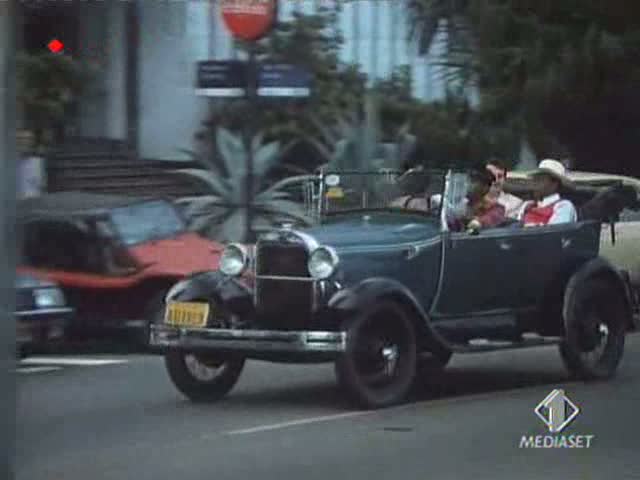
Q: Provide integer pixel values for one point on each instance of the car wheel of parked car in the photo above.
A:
(203, 378)
(380, 364)
(595, 327)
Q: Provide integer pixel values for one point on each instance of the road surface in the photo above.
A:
(119, 418)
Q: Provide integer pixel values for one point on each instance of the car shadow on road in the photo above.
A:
(459, 382)
(454, 382)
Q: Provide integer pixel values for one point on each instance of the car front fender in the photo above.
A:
(351, 300)
(599, 267)
(215, 286)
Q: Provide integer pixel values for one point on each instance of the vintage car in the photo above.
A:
(115, 257)
(41, 312)
(389, 294)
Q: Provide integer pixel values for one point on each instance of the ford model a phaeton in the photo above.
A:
(389, 293)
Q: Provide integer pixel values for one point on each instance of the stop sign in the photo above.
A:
(249, 19)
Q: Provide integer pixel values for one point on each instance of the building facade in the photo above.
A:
(146, 52)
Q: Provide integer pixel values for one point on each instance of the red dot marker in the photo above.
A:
(55, 46)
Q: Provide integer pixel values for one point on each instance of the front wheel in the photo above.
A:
(380, 364)
(595, 325)
(203, 378)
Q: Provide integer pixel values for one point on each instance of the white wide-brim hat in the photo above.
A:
(553, 168)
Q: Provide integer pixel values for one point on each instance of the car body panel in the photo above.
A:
(624, 253)
(405, 247)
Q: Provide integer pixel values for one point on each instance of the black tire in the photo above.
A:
(199, 390)
(381, 346)
(595, 324)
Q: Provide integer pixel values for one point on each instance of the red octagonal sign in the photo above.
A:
(249, 19)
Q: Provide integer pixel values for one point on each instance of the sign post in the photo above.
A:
(249, 21)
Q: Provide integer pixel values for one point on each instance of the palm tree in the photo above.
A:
(222, 213)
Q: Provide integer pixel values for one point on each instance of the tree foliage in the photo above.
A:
(562, 74)
(47, 86)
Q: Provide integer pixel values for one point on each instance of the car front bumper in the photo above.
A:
(41, 326)
(252, 343)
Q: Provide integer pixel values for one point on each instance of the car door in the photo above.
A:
(546, 256)
(476, 273)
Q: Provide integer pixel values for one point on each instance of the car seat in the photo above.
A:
(607, 204)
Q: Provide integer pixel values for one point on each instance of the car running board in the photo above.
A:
(482, 345)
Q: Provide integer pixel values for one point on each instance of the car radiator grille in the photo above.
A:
(283, 303)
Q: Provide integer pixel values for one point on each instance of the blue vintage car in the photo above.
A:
(389, 293)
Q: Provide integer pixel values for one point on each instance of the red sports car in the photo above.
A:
(115, 257)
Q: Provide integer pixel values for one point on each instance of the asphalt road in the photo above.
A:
(81, 419)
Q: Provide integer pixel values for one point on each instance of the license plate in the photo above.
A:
(187, 314)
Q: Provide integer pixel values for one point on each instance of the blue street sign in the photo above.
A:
(221, 78)
(283, 80)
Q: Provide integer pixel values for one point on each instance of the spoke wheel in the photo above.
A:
(380, 364)
(203, 378)
(594, 331)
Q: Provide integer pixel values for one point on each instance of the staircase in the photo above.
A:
(107, 166)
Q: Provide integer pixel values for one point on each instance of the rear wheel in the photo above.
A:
(203, 378)
(595, 326)
(380, 364)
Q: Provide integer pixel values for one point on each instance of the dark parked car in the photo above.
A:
(42, 314)
(390, 293)
(114, 256)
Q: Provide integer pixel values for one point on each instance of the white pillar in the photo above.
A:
(115, 71)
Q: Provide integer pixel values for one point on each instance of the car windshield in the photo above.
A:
(143, 222)
(413, 190)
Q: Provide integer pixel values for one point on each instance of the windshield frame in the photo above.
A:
(318, 205)
(121, 238)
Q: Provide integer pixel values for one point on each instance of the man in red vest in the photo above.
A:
(550, 209)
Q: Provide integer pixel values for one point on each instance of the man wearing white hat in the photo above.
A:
(550, 209)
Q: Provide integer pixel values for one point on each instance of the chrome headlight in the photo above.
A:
(323, 263)
(234, 260)
(49, 297)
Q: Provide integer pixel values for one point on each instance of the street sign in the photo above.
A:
(283, 80)
(221, 78)
(249, 20)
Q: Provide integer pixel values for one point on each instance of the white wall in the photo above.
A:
(376, 38)
(173, 37)
(103, 45)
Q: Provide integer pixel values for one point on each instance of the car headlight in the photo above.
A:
(323, 263)
(49, 297)
(234, 260)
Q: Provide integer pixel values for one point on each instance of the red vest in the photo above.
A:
(538, 215)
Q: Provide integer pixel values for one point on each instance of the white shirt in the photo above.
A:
(511, 204)
(563, 210)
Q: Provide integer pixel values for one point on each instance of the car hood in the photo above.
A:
(374, 229)
(178, 256)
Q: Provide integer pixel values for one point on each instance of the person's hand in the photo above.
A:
(474, 224)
